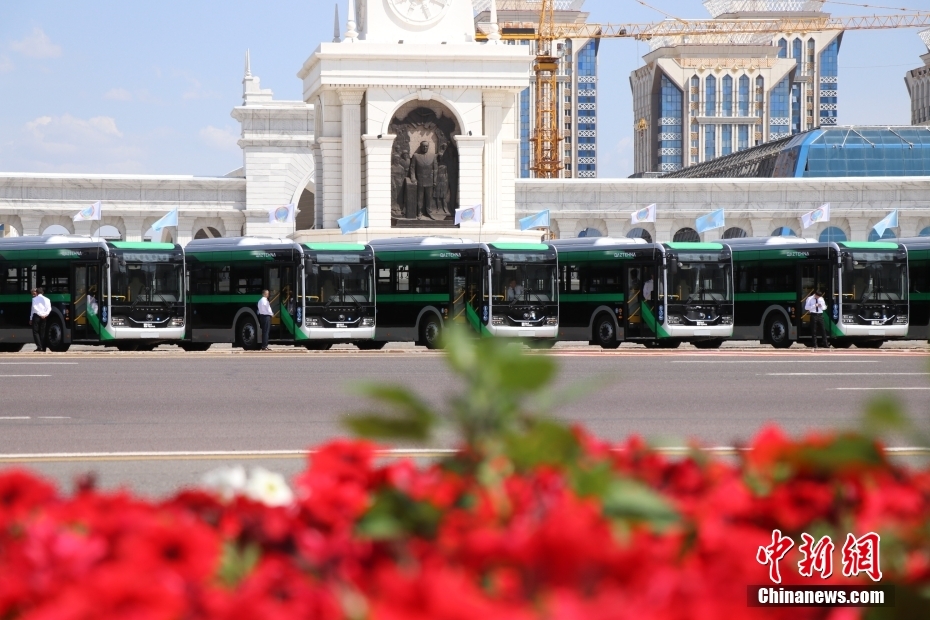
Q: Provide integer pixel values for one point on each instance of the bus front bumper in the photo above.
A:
(541, 332)
(142, 333)
(349, 333)
(870, 331)
(698, 332)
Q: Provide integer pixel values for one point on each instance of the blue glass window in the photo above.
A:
(742, 137)
(670, 127)
(525, 144)
(726, 139)
(726, 104)
(889, 234)
(743, 96)
(710, 96)
(778, 110)
(760, 96)
(832, 234)
(587, 109)
(797, 51)
(795, 108)
(710, 142)
(869, 151)
(783, 231)
(925, 232)
(782, 48)
(829, 83)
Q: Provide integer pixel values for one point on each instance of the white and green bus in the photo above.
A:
(501, 289)
(865, 286)
(113, 293)
(320, 294)
(658, 295)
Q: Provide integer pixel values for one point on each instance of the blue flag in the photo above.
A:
(353, 222)
(710, 221)
(170, 219)
(540, 220)
(891, 221)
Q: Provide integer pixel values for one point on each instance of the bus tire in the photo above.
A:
(55, 336)
(666, 343)
(247, 334)
(11, 348)
(431, 332)
(714, 343)
(127, 346)
(195, 346)
(776, 332)
(370, 345)
(870, 344)
(605, 332)
(319, 345)
(841, 344)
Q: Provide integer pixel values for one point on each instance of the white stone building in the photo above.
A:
(918, 86)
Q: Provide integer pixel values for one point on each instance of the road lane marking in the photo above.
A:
(20, 376)
(881, 388)
(15, 417)
(54, 417)
(38, 363)
(847, 374)
(833, 361)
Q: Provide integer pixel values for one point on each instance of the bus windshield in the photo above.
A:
(700, 277)
(344, 282)
(875, 276)
(146, 282)
(525, 278)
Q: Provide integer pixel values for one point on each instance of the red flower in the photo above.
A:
(20, 494)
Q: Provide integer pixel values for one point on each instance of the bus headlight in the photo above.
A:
(552, 321)
(497, 320)
(312, 321)
(369, 322)
(674, 319)
(118, 321)
(177, 322)
(726, 320)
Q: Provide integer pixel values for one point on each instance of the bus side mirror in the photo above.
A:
(848, 262)
(498, 265)
(672, 266)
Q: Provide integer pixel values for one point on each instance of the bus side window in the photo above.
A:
(570, 282)
(603, 279)
(403, 278)
(384, 280)
(53, 278)
(223, 279)
(202, 280)
(431, 278)
(747, 278)
(11, 281)
(249, 279)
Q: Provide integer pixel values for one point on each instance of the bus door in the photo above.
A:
(641, 307)
(279, 279)
(813, 276)
(467, 305)
(86, 302)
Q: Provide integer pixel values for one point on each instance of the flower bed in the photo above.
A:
(530, 520)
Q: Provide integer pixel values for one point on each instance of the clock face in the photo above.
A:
(419, 12)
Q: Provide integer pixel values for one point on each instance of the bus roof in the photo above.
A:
(142, 245)
(868, 245)
(418, 242)
(918, 243)
(595, 242)
(336, 247)
(519, 247)
(693, 245)
(42, 242)
(228, 244)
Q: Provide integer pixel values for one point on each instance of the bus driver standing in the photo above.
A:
(816, 305)
(264, 316)
(41, 308)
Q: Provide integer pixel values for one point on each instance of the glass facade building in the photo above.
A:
(587, 111)
(670, 126)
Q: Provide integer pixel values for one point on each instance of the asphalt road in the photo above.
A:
(96, 406)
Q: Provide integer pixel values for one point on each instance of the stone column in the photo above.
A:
(134, 231)
(330, 202)
(378, 175)
(31, 224)
(663, 228)
(471, 176)
(493, 122)
(351, 100)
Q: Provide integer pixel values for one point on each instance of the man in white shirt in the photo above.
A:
(815, 305)
(264, 316)
(41, 308)
(514, 291)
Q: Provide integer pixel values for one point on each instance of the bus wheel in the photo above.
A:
(870, 344)
(776, 332)
(11, 348)
(247, 334)
(370, 345)
(714, 343)
(841, 344)
(665, 343)
(605, 333)
(55, 336)
(195, 346)
(431, 332)
(127, 346)
(319, 345)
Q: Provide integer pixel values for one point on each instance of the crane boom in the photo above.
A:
(546, 137)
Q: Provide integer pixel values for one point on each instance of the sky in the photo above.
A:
(147, 88)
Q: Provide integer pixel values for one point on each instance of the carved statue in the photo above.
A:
(423, 169)
(441, 189)
(399, 164)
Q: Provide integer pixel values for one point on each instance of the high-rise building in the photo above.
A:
(577, 84)
(707, 96)
(918, 86)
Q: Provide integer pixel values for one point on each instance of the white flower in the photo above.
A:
(269, 488)
(226, 481)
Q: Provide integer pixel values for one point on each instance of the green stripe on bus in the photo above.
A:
(582, 297)
(94, 321)
(651, 323)
(766, 297)
(336, 247)
(220, 299)
(414, 297)
(451, 254)
(136, 245)
(239, 255)
(868, 245)
(757, 255)
(27, 297)
(526, 247)
(687, 245)
(475, 321)
(920, 296)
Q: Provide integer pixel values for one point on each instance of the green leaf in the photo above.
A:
(545, 443)
(410, 418)
(395, 515)
(236, 563)
(631, 500)
(883, 415)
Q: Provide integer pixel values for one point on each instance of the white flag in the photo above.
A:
(89, 213)
(816, 216)
(644, 215)
(468, 214)
(282, 215)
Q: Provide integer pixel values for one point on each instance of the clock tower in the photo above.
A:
(416, 21)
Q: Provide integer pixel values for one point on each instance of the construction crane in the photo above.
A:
(547, 162)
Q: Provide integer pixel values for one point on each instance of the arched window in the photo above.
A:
(590, 232)
(889, 234)
(743, 96)
(832, 234)
(925, 232)
(726, 97)
(686, 235)
(735, 233)
(810, 52)
(56, 229)
(797, 50)
(639, 233)
(207, 232)
(782, 48)
(710, 96)
(108, 232)
(760, 96)
(783, 231)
